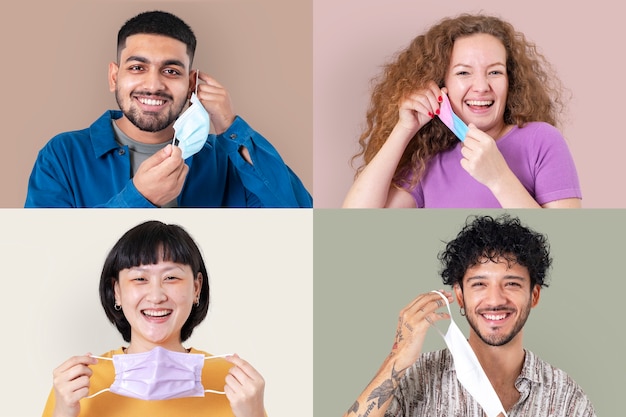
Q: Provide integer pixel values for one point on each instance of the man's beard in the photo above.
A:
(500, 340)
(151, 122)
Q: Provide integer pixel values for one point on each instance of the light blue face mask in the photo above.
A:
(454, 123)
(192, 126)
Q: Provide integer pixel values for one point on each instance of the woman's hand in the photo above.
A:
(413, 323)
(71, 384)
(482, 158)
(420, 108)
(244, 389)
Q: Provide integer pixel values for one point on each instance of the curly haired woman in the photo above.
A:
(503, 88)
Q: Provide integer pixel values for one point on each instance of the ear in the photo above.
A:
(197, 285)
(116, 291)
(536, 293)
(458, 292)
(192, 82)
(113, 70)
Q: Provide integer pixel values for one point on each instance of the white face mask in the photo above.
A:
(468, 370)
(192, 126)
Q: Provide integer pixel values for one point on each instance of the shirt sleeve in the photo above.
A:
(51, 184)
(556, 177)
(269, 182)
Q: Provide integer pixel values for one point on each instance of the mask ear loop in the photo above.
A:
(215, 357)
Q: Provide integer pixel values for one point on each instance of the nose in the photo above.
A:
(156, 294)
(153, 80)
(494, 296)
(480, 83)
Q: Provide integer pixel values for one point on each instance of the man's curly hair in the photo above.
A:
(491, 239)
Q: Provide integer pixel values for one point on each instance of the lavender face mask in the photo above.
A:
(158, 374)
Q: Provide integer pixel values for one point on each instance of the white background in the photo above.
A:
(261, 272)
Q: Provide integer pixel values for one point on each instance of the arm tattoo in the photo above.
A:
(385, 390)
(354, 408)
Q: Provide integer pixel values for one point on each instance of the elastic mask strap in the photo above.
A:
(102, 390)
(214, 357)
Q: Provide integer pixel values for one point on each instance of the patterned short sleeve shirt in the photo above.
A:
(430, 388)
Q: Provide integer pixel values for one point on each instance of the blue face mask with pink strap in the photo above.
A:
(454, 123)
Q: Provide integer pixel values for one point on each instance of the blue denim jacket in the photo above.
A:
(88, 168)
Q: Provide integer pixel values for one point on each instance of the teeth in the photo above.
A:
(158, 313)
(479, 102)
(494, 316)
(152, 102)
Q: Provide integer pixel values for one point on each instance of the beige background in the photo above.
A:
(353, 38)
(56, 56)
(369, 264)
(260, 267)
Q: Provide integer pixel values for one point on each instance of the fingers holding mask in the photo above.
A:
(424, 308)
(71, 383)
(413, 324)
(216, 100)
(420, 107)
(244, 388)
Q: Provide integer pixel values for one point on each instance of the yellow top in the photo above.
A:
(108, 404)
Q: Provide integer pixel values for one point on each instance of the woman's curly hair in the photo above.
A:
(535, 92)
(493, 239)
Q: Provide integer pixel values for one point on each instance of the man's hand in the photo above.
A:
(216, 101)
(160, 178)
(413, 323)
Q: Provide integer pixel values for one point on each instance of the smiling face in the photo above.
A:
(151, 82)
(157, 300)
(477, 82)
(497, 298)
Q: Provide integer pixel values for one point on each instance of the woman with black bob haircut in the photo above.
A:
(148, 244)
(154, 288)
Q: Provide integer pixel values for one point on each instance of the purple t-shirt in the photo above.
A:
(537, 154)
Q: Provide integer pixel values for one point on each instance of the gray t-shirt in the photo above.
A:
(139, 152)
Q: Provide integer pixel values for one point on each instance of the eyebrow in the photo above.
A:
(168, 62)
(142, 268)
(495, 64)
(509, 277)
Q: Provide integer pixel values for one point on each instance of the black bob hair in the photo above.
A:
(146, 244)
(489, 238)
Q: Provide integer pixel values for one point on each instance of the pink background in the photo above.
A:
(352, 39)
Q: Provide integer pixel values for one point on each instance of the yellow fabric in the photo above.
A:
(108, 404)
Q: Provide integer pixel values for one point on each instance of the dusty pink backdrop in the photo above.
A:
(353, 38)
(55, 58)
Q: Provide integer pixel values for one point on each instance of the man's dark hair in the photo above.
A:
(488, 238)
(158, 23)
(147, 244)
